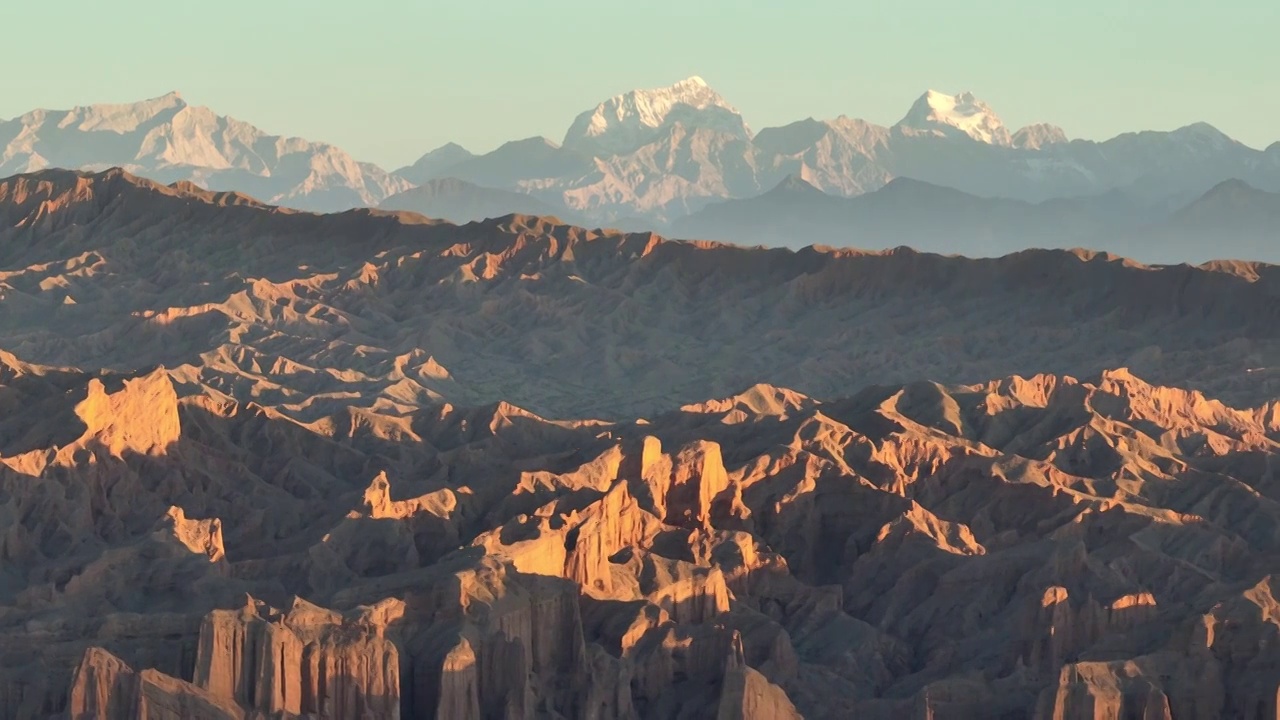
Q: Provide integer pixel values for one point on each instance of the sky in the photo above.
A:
(388, 80)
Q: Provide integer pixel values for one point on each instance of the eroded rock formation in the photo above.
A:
(303, 513)
(1034, 547)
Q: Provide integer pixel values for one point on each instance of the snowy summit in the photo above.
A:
(627, 121)
(949, 115)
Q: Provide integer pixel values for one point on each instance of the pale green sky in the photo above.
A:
(390, 79)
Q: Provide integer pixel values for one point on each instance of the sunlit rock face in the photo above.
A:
(298, 488)
(1048, 546)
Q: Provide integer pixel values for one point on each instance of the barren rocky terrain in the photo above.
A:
(312, 313)
(257, 463)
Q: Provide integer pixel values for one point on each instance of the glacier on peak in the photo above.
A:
(948, 115)
(627, 121)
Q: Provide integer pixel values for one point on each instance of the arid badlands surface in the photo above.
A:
(264, 464)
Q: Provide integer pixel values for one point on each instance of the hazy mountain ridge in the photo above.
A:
(1233, 220)
(654, 155)
(169, 140)
(678, 166)
(428, 165)
(459, 202)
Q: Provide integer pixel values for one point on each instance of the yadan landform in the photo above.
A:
(261, 462)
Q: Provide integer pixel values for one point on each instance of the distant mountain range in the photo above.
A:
(1233, 220)
(461, 202)
(665, 153)
(167, 140)
(648, 158)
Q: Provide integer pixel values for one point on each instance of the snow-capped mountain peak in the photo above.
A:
(693, 81)
(111, 117)
(1039, 135)
(166, 139)
(625, 122)
(948, 115)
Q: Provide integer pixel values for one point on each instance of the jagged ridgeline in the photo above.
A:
(264, 463)
(311, 314)
(648, 157)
